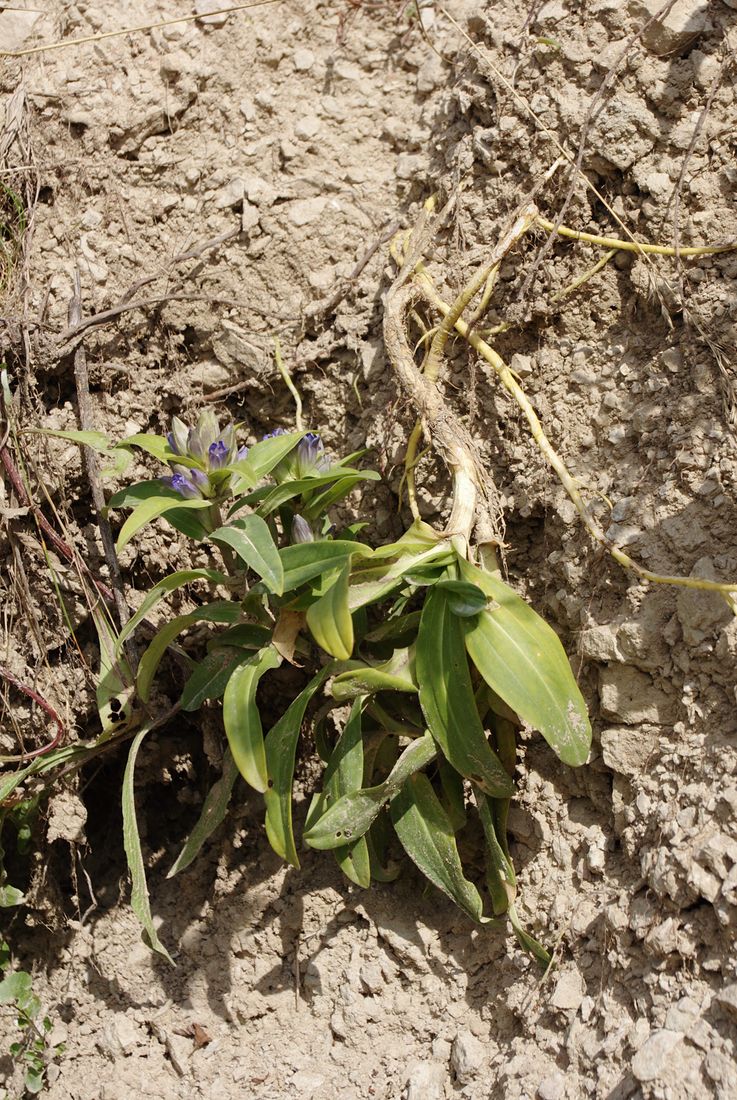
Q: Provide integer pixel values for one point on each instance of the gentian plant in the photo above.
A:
(417, 666)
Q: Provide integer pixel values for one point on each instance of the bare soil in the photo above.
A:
(297, 135)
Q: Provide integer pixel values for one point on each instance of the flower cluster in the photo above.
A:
(307, 459)
(205, 450)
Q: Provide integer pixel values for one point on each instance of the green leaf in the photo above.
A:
(132, 844)
(329, 618)
(426, 835)
(320, 503)
(149, 510)
(242, 636)
(98, 442)
(500, 878)
(213, 813)
(344, 775)
(280, 750)
(464, 599)
(33, 1079)
(372, 585)
(10, 896)
(156, 445)
(220, 611)
(242, 720)
(521, 658)
(447, 699)
(280, 494)
(252, 542)
(132, 495)
(396, 674)
(262, 458)
(210, 677)
(355, 813)
(16, 986)
(307, 560)
(163, 588)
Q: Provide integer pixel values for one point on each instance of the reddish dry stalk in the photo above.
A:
(56, 740)
(56, 540)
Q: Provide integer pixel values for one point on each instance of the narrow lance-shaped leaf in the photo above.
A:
(329, 618)
(242, 720)
(210, 677)
(261, 459)
(163, 588)
(396, 674)
(251, 539)
(132, 844)
(426, 835)
(281, 747)
(214, 809)
(344, 775)
(149, 510)
(220, 611)
(356, 812)
(305, 561)
(447, 699)
(522, 660)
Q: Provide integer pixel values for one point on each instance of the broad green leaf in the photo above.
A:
(522, 660)
(344, 775)
(132, 495)
(397, 630)
(307, 560)
(329, 618)
(447, 699)
(262, 458)
(280, 750)
(396, 674)
(464, 599)
(220, 611)
(288, 490)
(10, 896)
(426, 835)
(132, 844)
(213, 813)
(242, 720)
(163, 588)
(242, 636)
(16, 986)
(97, 441)
(453, 795)
(156, 445)
(319, 504)
(210, 677)
(251, 539)
(151, 509)
(355, 813)
(372, 585)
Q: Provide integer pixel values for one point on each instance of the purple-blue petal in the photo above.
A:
(217, 454)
